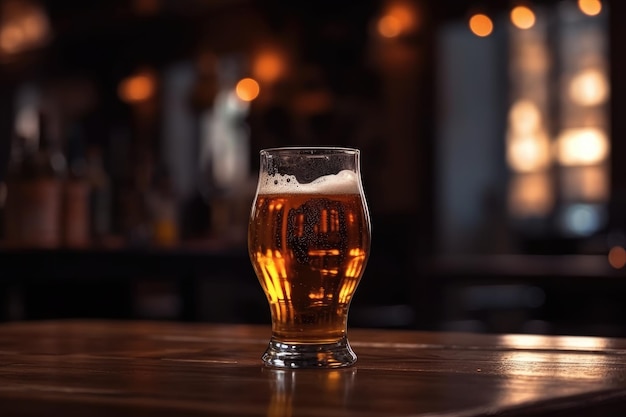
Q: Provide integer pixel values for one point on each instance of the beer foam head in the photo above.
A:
(344, 182)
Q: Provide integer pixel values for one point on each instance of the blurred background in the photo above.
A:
(489, 130)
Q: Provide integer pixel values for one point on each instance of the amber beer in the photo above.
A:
(309, 244)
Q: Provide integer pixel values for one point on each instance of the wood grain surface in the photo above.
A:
(120, 368)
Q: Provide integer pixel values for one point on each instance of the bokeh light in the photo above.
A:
(389, 26)
(589, 88)
(399, 18)
(531, 195)
(617, 257)
(524, 117)
(481, 25)
(268, 66)
(582, 146)
(522, 17)
(247, 89)
(137, 88)
(528, 145)
(590, 7)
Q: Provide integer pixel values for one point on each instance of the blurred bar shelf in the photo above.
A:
(19, 264)
(544, 267)
(116, 282)
(549, 294)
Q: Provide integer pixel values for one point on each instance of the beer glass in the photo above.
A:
(309, 241)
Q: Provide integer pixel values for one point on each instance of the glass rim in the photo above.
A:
(313, 149)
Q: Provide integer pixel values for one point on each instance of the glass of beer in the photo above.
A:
(309, 241)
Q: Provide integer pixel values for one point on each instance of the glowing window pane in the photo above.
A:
(585, 183)
(528, 153)
(524, 117)
(584, 146)
(589, 88)
(530, 195)
(522, 17)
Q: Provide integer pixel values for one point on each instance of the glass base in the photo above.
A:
(309, 355)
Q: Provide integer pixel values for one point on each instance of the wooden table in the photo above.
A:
(119, 368)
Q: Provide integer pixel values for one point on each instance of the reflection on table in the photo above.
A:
(166, 368)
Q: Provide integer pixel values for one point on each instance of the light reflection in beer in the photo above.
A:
(300, 225)
(324, 221)
(334, 221)
(352, 274)
(356, 264)
(347, 291)
(273, 269)
(318, 295)
(304, 256)
(324, 252)
(328, 222)
(272, 266)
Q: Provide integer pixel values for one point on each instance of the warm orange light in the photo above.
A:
(522, 17)
(137, 88)
(268, 66)
(35, 27)
(530, 195)
(617, 257)
(528, 144)
(405, 14)
(401, 17)
(24, 26)
(582, 146)
(589, 87)
(590, 7)
(481, 25)
(525, 117)
(585, 183)
(528, 152)
(247, 89)
(11, 38)
(389, 26)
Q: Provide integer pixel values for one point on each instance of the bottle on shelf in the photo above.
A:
(100, 196)
(34, 189)
(76, 188)
(12, 190)
(163, 209)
